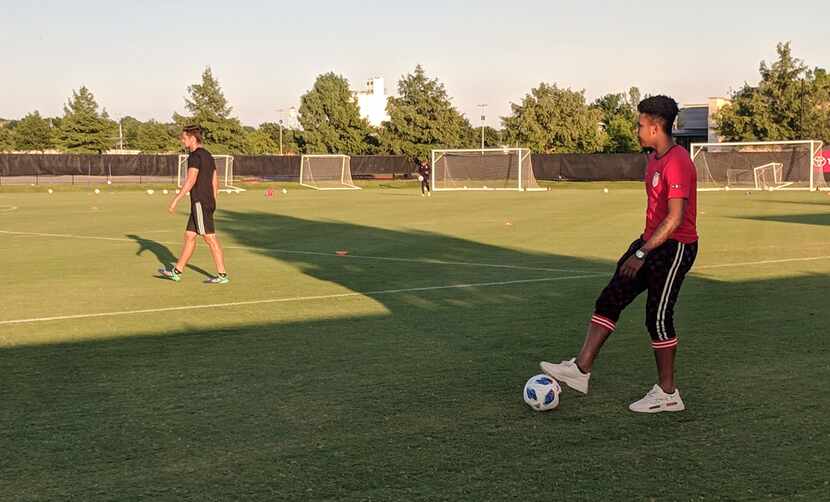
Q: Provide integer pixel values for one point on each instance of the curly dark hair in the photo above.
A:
(662, 109)
(194, 131)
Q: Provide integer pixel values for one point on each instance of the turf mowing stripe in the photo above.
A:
(320, 253)
(297, 299)
(764, 262)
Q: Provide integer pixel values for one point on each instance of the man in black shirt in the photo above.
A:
(424, 174)
(202, 183)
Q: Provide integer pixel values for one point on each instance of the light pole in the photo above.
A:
(483, 118)
(291, 111)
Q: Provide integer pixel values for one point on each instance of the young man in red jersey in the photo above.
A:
(656, 262)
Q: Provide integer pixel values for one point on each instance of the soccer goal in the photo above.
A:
(759, 165)
(224, 169)
(326, 172)
(485, 169)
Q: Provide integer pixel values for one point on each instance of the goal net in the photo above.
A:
(487, 169)
(769, 165)
(224, 169)
(326, 172)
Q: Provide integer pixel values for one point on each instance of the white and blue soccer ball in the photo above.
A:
(541, 393)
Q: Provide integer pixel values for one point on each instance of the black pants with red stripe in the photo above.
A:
(661, 275)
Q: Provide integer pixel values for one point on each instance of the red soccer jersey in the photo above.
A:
(671, 176)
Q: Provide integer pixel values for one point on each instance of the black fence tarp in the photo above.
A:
(590, 167)
(102, 166)
(560, 167)
(278, 167)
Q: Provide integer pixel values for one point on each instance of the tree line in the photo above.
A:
(791, 101)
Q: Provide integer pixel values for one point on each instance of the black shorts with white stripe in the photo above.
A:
(201, 218)
(662, 275)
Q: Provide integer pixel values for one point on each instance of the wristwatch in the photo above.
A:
(640, 254)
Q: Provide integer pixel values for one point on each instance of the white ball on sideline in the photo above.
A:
(150, 191)
(178, 191)
(109, 182)
(50, 191)
(541, 393)
(164, 191)
(97, 191)
(284, 191)
(605, 190)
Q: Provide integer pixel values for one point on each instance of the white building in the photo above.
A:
(372, 102)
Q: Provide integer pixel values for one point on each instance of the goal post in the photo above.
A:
(483, 169)
(224, 170)
(326, 172)
(759, 165)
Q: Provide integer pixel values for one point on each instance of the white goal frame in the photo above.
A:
(225, 178)
(345, 168)
(523, 153)
(815, 147)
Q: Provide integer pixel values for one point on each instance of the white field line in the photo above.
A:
(318, 253)
(296, 299)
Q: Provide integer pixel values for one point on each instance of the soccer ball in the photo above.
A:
(420, 178)
(150, 191)
(541, 393)
(50, 191)
(284, 191)
(164, 191)
(109, 182)
(97, 191)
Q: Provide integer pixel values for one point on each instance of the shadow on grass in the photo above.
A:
(162, 253)
(421, 402)
(818, 219)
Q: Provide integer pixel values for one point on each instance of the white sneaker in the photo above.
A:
(567, 372)
(657, 401)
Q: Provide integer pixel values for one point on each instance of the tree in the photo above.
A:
(619, 114)
(331, 119)
(423, 118)
(155, 137)
(817, 122)
(210, 110)
(129, 129)
(33, 133)
(6, 138)
(789, 103)
(554, 120)
(266, 140)
(83, 129)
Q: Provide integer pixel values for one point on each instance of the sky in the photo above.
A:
(139, 57)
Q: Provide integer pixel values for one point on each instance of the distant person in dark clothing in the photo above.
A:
(424, 174)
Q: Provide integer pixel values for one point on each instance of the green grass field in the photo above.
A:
(395, 373)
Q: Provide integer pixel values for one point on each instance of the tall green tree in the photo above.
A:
(83, 129)
(331, 119)
(785, 105)
(266, 140)
(816, 124)
(554, 120)
(33, 133)
(208, 108)
(155, 137)
(422, 118)
(6, 138)
(129, 129)
(619, 114)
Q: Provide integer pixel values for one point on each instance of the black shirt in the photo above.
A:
(202, 191)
